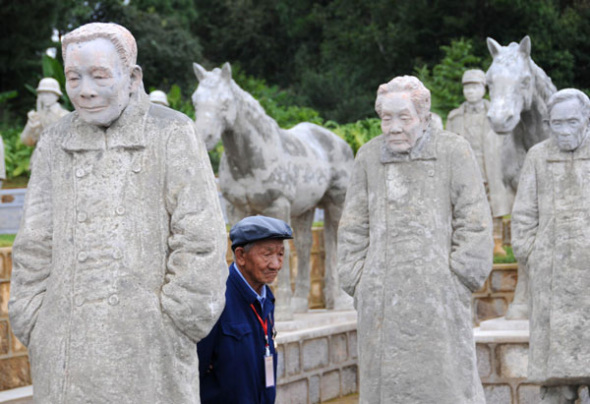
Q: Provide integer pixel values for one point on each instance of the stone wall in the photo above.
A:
(14, 361)
(492, 300)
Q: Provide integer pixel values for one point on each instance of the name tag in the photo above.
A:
(269, 373)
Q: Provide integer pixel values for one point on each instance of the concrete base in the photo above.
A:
(21, 395)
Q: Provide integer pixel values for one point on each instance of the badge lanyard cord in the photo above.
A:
(264, 325)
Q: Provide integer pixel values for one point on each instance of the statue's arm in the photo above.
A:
(471, 243)
(33, 246)
(353, 230)
(32, 130)
(525, 212)
(193, 295)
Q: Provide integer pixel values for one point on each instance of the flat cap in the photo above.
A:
(256, 228)
(474, 76)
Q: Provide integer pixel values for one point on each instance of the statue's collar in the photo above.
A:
(128, 131)
(554, 153)
(424, 149)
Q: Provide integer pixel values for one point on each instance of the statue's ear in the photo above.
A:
(136, 79)
(493, 47)
(525, 46)
(226, 71)
(199, 71)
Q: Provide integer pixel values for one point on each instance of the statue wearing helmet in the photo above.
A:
(159, 97)
(48, 111)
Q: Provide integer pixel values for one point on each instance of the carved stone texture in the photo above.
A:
(550, 223)
(119, 264)
(279, 173)
(520, 90)
(396, 257)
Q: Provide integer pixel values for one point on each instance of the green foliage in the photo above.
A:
(180, 103)
(356, 133)
(508, 259)
(16, 154)
(7, 240)
(444, 81)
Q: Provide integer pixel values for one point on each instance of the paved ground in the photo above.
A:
(353, 399)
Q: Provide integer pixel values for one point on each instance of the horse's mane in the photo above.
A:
(266, 125)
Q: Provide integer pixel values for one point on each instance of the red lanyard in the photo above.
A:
(264, 325)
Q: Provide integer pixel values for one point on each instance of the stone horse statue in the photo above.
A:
(280, 173)
(519, 90)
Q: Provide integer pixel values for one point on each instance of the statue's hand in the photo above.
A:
(34, 118)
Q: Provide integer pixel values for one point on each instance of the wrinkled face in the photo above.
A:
(97, 82)
(473, 92)
(400, 122)
(47, 99)
(262, 263)
(568, 124)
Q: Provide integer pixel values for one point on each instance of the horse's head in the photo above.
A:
(511, 83)
(213, 101)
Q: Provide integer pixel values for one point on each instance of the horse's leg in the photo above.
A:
(281, 209)
(334, 296)
(303, 240)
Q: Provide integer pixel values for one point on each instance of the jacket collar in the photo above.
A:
(128, 131)
(247, 293)
(554, 153)
(424, 149)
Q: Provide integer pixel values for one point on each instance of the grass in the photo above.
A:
(6, 240)
(508, 259)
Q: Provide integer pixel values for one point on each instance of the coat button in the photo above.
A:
(79, 300)
(136, 168)
(420, 232)
(431, 173)
(80, 172)
(120, 210)
(82, 216)
(113, 300)
(82, 256)
(117, 254)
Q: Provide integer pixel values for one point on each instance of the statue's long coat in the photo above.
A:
(415, 241)
(119, 263)
(551, 235)
(500, 196)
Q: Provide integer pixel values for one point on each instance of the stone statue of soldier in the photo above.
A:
(550, 235)
(470, 121)
(48, 111)
(414, 242)
(119, 264)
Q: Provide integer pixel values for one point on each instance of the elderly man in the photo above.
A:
(119, 262)
(550, 234)
(414, 242)
(471, 122)
(49, 110)
(238, 359)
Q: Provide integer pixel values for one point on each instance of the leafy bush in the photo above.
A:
(356, 133)
(16, 154)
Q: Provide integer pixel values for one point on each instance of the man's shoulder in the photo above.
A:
(447, 141)
(372, 146)
(457, 112)
(164, 115)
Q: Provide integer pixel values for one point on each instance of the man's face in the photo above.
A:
(568, 124)
(262, 263)
(97, 83)
(47, 99)
(473, 92)
(400, 122)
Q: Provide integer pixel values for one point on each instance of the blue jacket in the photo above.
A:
(231, 357)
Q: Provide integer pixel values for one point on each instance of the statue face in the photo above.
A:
(400, 122)
(568, 124)
(47, 99)
(97, 82)
(473, 92)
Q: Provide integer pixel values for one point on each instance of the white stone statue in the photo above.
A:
(48, 111)
(519, 90)
(280, 173)
(414, 242)
(119, 264)
(159, 97)
(471, 122)
(550, 234)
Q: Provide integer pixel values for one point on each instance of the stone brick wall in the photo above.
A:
(492, 300)
(14, 361)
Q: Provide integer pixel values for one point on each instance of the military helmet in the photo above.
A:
(50, 85)
(159, 97)
(474, 76)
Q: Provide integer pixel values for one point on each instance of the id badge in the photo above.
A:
(269, 374)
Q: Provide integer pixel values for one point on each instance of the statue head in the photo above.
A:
(569, 113)
(403, 105)
(48, 92)
(159, 97)
(101, 71)
(474, 85)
